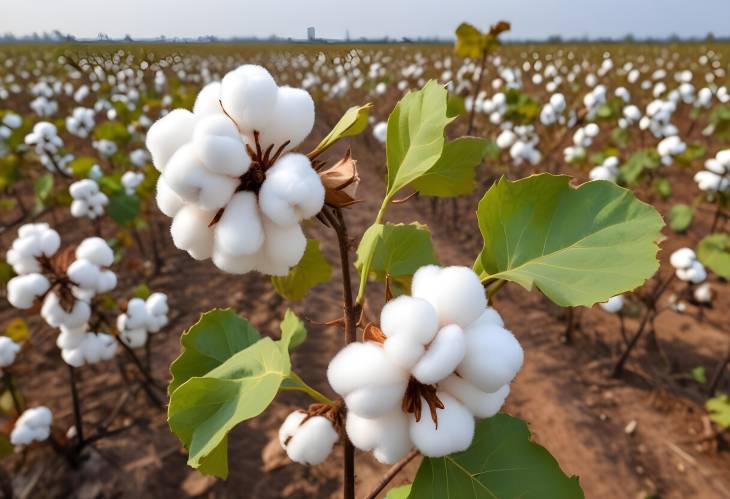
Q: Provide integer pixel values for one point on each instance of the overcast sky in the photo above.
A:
(371, 18)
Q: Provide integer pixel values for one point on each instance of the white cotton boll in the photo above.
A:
(591, 130)
(248, 95)
(411, 317)
(136, 314)
(479, 403)
(506, 139)
(156, 304)
(134, 338)
(84, 274)
(715, 166)
(695, 274)
(107, 281)
(703, 293)
(455, 292)
(237, 264)
(311, 442)
(403, 350)
(292, 190)
(292, 119)
(34, 425)
(69, 338)
(240, 230)
(682, 258)
(55, 315)
(74, 357)
(24, 289)
(289, 427)
(96, 250)
(371, 384)
(8, 350)
(168, 200)
(217, 143)
(208, 100)
(283, 245)
(614, 304)
(186, 174)
(493, 357)
(710, 182)
(443, 355)
(387, 436)
(454, 433)
(380, 131)
(168, 134)
(190, 231)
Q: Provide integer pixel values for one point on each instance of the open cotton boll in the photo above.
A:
(403, 351)
(56, 316)
(371, 384)
(380, 131)
(70, 338)
(290, 426)
(492, 359)
(480, 404)
(157, 309)
(95, 250)
(283, 245)
(187, 176)
(218, 144)
(455, 428)
(387, 436)
(24, 289)
(240, 231)
(292, 119)
(168, 134)
(309, 442)
(34, 425)
(703, 293)
(8, 350)
(134, 338)
(695, 273)
(237, 264)
(614, 304)
(84, 274)
(292, 190)
(190, 231)
(410, 317)
(682, 258)
(248, 95)
(208, 100)
(444, 353)
(136, 314)
(168, 200)
(455, 292)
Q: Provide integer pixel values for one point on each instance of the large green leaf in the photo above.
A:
(501, 463)
(352, 123)
(578, 246)
(714, 252)
(311, 270)
(215, 338)
(415, 136)
(680, 217)
(454, 172)
(293, 332)
(204, 409)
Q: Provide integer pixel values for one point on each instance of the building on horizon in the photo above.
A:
(311, 34)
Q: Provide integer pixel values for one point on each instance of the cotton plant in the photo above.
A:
(715, 178)
(47, 144)
(107, 148)
(582, 139)
(88, 200)
(81, 122)
(670, 147)
(229, 164)
(553, 111)
(34, 425)
(687, 267)
(521, 142)
(607, 170)
(130, 181)
(142, 318)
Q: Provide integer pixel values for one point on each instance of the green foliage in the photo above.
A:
(142, 291)
(352, 123)
(579, 246)
(714, 252)
(610, 110)
(454, 172)
(663, 187)
(699, 375)
(401, 492)
(501, 462)
(719, 410)
(620, 137)
(81, 166)
(312, 269)
(680, 217)
(639, 162)
(111, 130)
(293, 331)
(693, 153)
(720, 121)
(6, 448)
(43, 188)
(123, 208)
(6, 272)
(455, 106)
(470, 42)
(9, 170)
(522, 108)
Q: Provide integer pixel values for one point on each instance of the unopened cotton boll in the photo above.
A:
(307, 442)
(34, 425)
(292, 190)
(168, 134)
(8, 350)
(248, 95)
(24, 289)
(387, 436)
(454, 432)
(493, 356)
(456, 293)
(614, 304)
(682, 258)
(191, 233)
(219, 146)
(480, 404)
(443, 355)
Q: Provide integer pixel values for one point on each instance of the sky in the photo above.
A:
(369, 18)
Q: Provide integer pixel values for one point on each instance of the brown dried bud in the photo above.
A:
(341, 182)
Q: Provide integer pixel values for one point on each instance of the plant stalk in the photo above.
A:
(391, 473)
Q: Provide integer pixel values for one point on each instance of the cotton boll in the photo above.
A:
(186, 174)
(134, 338)
(248, 95)
(190, 231)
(283, 245)
(157, 309)
(240, 230)
(455, 292)
(403, 351)
(292, 119)
(481, 404)
(8, 350)
(292, 190)
(682, 258)
(55, 315)
(136, 314)
(217, 143)
(387, 436)
(695, 274)
(380, 132)
(442, 356)
(489, 317)
(34, 425)
(311, 442)
(168, 134)
(290, 426)
(412, 317)
(95, 250)
(107, 281)
(454, 433)
(208, 100)
(24, 289)
(493, 357)
(84, 274)
(49, 242)
(703, 293)
(70, 338)
(237, 264)
(167, 200)
(614, 304)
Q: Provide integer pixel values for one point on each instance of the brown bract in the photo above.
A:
(412, 400)
(341, 182)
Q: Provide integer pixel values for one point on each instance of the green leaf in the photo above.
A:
(43, 187)
(455, 106)
(142, 290)
(81, 166)
(352, 123)
(123, 208)
(401, 492)
(620, 137)
(293, 332)
(502, 462)
(699, 375)
(111, 130)
(454, 172)
(204, 409)
(469, 41)
(714, 253)
(578, 246)
(719, 410)
(693, 152)
(9, 169)
(215, 338)
(415, 136)
(680, 217)
(662, 186)
(312, 269)
(395, 249)
(638, 163)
